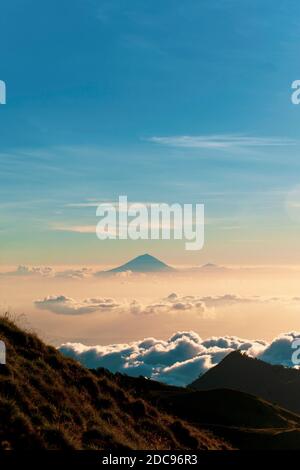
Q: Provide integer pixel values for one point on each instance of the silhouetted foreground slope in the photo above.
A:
(237, 371)
(248, 422)
(48, 401)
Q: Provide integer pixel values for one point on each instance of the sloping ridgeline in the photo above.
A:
(48, 401)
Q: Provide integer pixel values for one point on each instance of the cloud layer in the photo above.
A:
(71, 273)
(49, 272)
(67, 306)
(22, 270)
(182, 358)
(172, 304)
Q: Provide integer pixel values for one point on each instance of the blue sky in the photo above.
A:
(99, 95)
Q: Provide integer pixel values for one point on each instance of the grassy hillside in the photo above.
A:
(248, 422)
(48, 401)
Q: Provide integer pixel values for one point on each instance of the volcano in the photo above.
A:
(143, 264)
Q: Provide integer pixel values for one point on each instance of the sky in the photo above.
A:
(161, 101)
(186, 102)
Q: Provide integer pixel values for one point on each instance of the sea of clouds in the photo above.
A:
(173, 303)
(182, 358)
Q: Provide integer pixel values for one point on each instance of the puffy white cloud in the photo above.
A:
(197, 304)
(78, 273)
(280, 350)
(226, 300)
(183, 373)
(180, 359)
(174, 303)
(67, 306)
(125, 274)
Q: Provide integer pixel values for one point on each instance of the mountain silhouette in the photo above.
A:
(212, 268)
(245, 421)
(143, 264)
(237, 371)
(49, 401)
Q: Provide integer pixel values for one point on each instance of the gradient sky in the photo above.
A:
(99, 95)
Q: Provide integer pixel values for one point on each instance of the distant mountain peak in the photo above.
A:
(145, 257)
(209, 265)
(143, 263)
(212, 267)
(238, 371)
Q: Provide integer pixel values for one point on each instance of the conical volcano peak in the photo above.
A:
(143, 263)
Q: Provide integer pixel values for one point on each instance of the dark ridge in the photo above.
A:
(48, 401)
(248, 422)
(237, 371)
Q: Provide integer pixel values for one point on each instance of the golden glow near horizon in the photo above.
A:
(72, 304)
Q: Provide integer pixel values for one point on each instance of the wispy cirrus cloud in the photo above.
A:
(220, 141)
(74, 228)
(109, 204)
